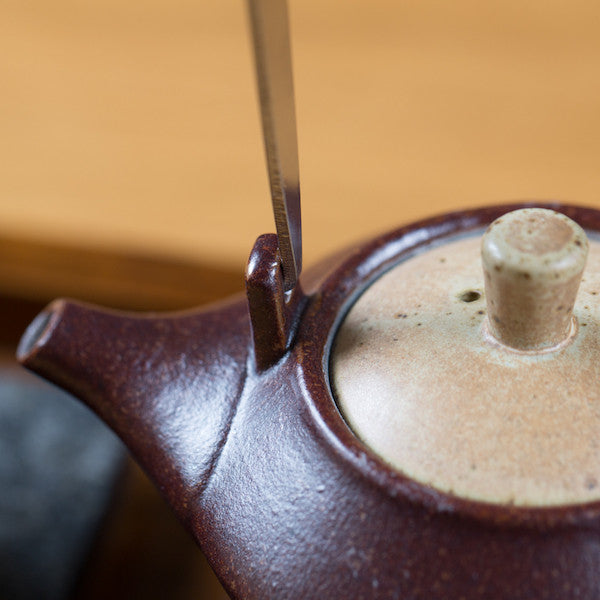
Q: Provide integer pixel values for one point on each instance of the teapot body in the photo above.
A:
(250, 449)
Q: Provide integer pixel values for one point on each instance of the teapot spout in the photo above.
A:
(167, 385)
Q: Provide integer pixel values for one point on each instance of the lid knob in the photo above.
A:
(533, 260)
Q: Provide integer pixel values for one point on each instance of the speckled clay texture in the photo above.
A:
(418, 380)
(532, 260)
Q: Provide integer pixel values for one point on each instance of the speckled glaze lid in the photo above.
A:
(473, 367)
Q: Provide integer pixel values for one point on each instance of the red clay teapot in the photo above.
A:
(240, 414)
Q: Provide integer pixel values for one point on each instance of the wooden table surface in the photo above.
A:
(134, 125)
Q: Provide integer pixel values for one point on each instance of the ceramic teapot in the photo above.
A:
(247, 415)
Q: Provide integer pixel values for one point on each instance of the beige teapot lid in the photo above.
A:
(473, 367)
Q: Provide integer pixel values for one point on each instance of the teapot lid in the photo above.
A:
(475, 370)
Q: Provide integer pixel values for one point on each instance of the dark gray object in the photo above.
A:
(58, 467)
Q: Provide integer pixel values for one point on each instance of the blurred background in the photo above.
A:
(132, 175)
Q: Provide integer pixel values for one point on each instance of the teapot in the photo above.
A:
(399, 422)
(231, 411)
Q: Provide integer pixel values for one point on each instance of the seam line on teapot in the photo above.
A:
(226, 430)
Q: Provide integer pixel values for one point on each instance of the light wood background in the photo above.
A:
(133, 126)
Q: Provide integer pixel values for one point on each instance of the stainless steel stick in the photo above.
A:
(270, 32)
